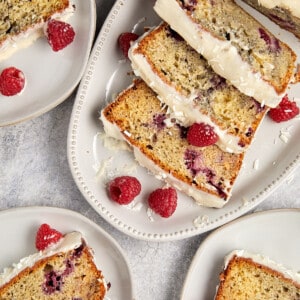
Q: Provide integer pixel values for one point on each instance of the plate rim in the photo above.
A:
(219, 231)
(83, 186)
(86, 220)
(72, 87)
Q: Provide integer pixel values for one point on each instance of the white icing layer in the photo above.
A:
(200, 197)
(181, 106)
(263, 260)
(292, 5)
(70, 241)
(25, 39)
(221, 55)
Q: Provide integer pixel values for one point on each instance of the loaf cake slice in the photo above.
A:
(286, 14)
(187, 84)
(253, 276)
(207, 174)
(22, 21)
(237, 46)
(65, 270)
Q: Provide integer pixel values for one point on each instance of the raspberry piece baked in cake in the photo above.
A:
(252, 276)
(284, 13)
(64, 269)
(22, 22)
(236, 45)
(207, 174)
(187, 84)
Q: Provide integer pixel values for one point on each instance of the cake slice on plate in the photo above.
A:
(252, 276)
(187, 84)
(236, 45)
(284, 13)
(22, 21)
(65, 269)
(160, 144)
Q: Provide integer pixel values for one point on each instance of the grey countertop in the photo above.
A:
(35, 172)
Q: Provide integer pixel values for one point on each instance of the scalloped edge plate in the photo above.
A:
(272, 158)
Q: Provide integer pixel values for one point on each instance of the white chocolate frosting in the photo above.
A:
(264, 260)
(70, 241)
(221, 55)
(292, 5)
(179, 104)
(25, 39)
(200, 197)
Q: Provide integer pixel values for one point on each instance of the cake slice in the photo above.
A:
(187, 84)
(207, 174)
(286, 14)
(237, 46)
(64, 270)
(22, 21)
(252, 276)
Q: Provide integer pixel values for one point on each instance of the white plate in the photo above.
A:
(106, 75)
(50, 76)
(17, 233)
(272, 233)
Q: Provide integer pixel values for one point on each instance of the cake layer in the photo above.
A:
(285, 13)
(159, 143)
(237, 46)
(252, 276)
(65, 270)
(22, 21)
(187, 84)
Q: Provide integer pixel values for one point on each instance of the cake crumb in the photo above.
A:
(102, 167)
(135, 206)
(149, 214)
(256, 164)
(201, 221)
(245, 201)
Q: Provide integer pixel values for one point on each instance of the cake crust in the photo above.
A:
(22, 22)
(230, 39)
(245, 278)
(186, 83)
(281, 15)
(63, 274)
(207, 174)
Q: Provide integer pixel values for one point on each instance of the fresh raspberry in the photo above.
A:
(46, 236)
(163, 201)
(201, 135)
(12, 81)
(124, 41)
(124, 189)
(285, 111)
(59, 34)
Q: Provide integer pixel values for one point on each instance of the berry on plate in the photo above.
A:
(124, 41)
(12, 81)
(201, 135)
(46, 236)
(163, 201)
(124, 189)
(285, 111)
(59, 34)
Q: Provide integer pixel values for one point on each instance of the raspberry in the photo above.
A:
(163, 201)
(124, 189)
(285, 111)
(46, 236)
(201, 135)
(12, 81)
(59, 34)
(124, 41)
